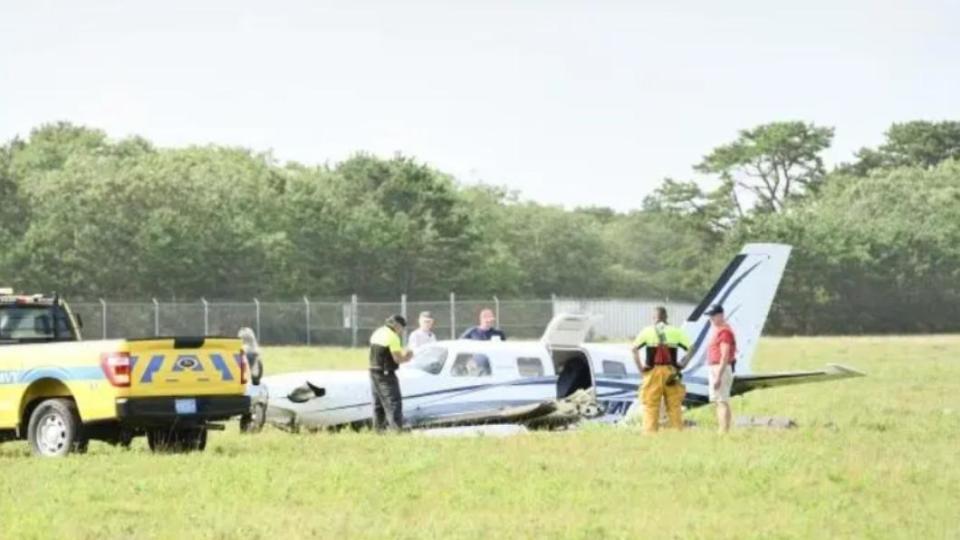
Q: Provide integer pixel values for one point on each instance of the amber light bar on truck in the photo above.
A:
(117, 367)
(22, 300)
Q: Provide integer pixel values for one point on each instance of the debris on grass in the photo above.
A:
(773, 422)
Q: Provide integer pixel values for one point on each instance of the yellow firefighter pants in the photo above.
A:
(653, 389)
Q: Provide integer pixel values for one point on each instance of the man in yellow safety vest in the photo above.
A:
(660, 370)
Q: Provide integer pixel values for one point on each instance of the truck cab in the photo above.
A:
(58, 391)
(35, 319)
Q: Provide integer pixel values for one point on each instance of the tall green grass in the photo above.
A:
(875, 457)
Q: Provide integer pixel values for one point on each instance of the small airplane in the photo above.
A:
(556, 381)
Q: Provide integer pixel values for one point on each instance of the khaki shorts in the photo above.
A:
(722, 394)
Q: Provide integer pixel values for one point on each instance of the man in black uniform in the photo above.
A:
(386, 355)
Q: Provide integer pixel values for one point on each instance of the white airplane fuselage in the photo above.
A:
(512, 374)
(450, 379)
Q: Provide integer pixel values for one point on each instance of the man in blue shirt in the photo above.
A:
(485, 331)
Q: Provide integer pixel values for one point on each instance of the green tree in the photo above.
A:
(50, 146)
(12, 210)
(562, 252)
(404, 228)
(873, 254)
(493, 267)
(533, 250)
(180, 223)
(919, 143)
(713, 212)
(659, 254)
(89, 216)
(773, 163)
(13, 215)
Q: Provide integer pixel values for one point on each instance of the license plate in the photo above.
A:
(186, 406)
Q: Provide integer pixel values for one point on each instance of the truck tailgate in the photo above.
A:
(185, 367)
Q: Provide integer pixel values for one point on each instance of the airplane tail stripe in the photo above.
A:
(728, 273)
(698, 353)
(745, 290)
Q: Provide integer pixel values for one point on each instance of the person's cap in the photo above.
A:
(714, 309)
(426, 315)
(398, 320)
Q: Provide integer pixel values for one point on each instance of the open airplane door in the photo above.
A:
(564, 338)
(567, 331)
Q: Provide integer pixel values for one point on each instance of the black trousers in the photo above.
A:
(387, 402)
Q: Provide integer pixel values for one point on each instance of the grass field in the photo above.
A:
(876, 457)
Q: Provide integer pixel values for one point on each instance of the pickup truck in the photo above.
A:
(58, 391)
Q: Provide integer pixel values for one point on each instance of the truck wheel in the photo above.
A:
(80, 447)
(177, 440)
(125, 439)
(54, 429)
(194, 439)
(253, 421)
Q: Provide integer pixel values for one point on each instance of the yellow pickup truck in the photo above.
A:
(59, 392)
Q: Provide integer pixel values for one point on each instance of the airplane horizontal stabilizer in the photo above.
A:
(747, 383)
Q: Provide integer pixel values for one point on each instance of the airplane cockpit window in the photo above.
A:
(614, 369)
(530, 367)
(471, 365)
(429, 359)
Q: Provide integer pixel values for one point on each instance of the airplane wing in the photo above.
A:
(557, 413)
(506, 415)
(755, 381)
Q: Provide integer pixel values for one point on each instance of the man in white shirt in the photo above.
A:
(424, 334)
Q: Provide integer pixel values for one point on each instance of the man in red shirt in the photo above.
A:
(721, 356)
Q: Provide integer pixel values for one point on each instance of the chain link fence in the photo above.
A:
(350, 322)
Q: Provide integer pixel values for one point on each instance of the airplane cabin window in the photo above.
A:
(530, 367)
(471, 365)
(613, 368)
(429, 359)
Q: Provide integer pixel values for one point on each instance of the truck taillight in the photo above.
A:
(244, 367)
(116, 366)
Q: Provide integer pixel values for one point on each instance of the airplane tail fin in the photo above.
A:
(745, 289)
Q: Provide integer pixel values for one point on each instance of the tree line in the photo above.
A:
(877, 240)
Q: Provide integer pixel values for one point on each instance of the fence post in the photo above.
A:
(496, 310)
(103, 317)
(453, 316)
(256, 304)
(354, 320)
(307, 303)
(403, 305)
(156, 318)
(206, 316)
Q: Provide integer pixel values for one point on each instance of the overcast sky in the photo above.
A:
(575, 103)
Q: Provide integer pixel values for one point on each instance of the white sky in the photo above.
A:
(575, 103)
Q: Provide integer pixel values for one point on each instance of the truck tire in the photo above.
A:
(253, 421)
(125, 439)
(177, 441)
(54, 429)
